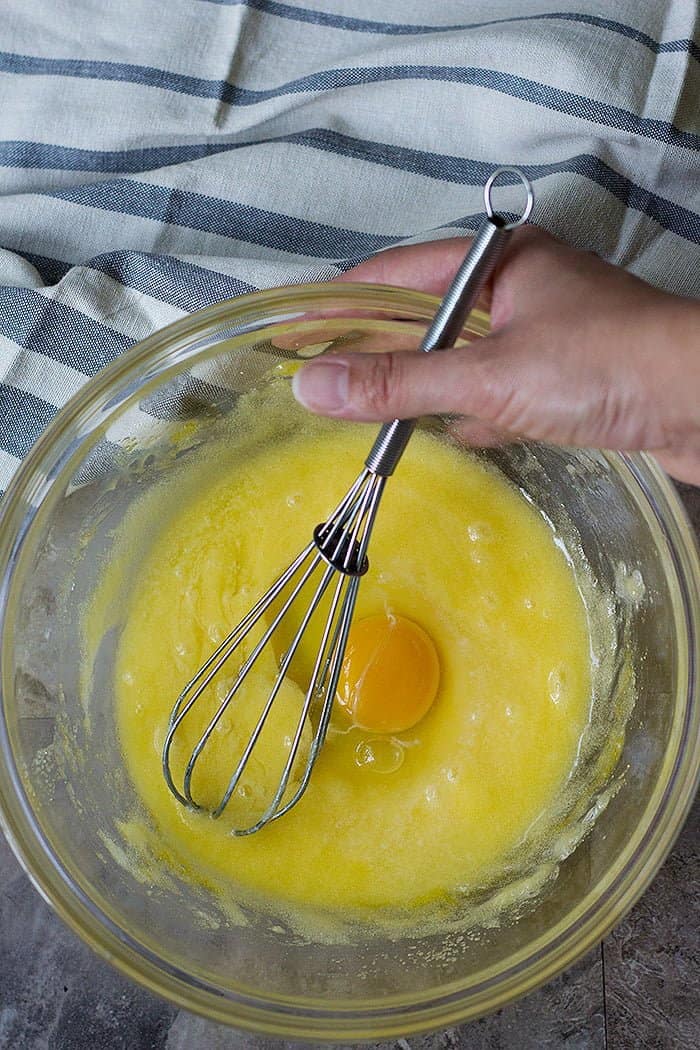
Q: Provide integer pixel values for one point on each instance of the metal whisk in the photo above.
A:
(336, 559)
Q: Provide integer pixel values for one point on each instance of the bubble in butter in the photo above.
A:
(401, 810)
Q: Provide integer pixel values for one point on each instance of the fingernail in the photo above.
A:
(322, 386)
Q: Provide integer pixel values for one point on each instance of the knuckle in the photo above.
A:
(497, 397)
(380, 384)
(532, 245)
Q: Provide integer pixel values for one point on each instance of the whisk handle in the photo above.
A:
(476, 268)
(446, 326)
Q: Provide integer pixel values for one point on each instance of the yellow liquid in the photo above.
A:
(444, 806)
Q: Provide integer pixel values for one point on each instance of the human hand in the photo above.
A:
(580, 353)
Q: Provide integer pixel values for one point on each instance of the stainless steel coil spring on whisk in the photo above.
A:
(330, 568)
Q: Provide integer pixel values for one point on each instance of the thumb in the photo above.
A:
(468, 381)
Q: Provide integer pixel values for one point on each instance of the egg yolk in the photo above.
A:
(390, 674)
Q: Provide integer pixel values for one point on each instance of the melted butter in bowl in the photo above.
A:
(400, 817)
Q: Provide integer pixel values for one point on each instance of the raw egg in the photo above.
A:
(390, 674)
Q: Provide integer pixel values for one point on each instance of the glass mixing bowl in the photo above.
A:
(62, 791)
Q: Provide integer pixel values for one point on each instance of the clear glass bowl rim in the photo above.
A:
(319, 1020)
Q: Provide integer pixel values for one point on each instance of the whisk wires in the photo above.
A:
(339, 549)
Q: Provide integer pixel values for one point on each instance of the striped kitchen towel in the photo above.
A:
(158, 157)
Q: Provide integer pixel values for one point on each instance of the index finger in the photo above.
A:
(427, 267)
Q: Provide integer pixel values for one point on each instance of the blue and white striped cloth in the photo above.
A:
(158, 157)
